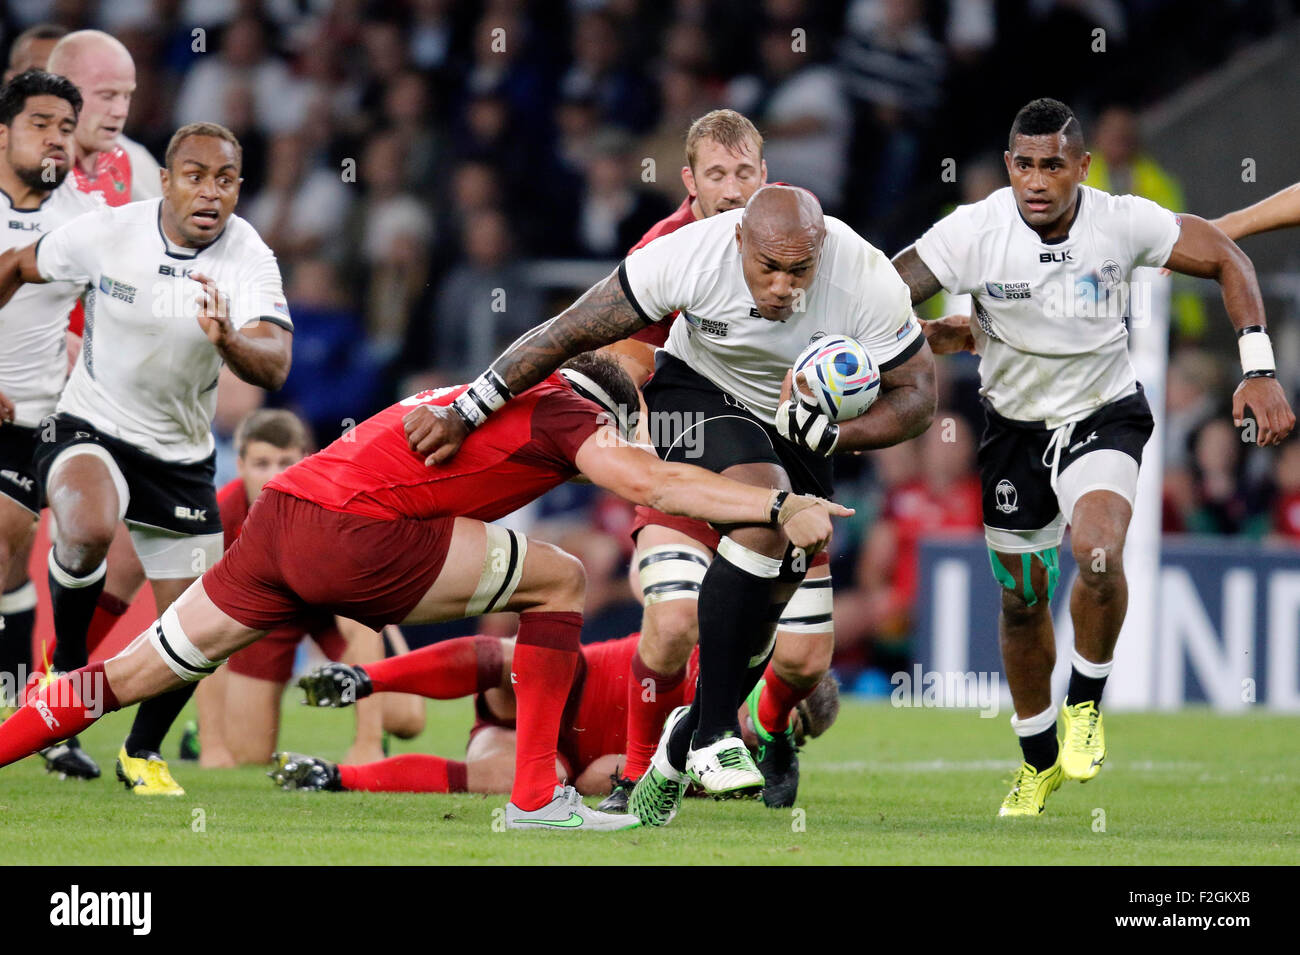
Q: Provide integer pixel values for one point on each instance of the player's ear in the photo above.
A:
(1006, 158)
(762, 165)
(688, 180)
(739, 246)
(1084, 165)
(164, 177)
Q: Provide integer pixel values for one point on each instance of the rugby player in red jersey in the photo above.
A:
(239, 705)
(724, 167)
(368, 530)
(592, 735)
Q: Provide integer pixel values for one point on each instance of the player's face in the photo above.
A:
(1045, 177)
(262, 461)
(778, 270)
(107, 83)
(722, 179)
(200, 189)
(38, 144)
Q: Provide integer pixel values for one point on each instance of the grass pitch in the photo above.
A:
(886, 786)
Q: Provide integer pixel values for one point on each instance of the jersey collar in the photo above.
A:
(36, 208)
(174, 251)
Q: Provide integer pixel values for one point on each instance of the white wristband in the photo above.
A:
(1256, 352)
(485, 395)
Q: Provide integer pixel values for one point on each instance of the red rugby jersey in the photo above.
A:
(520, 452)
(232, 501)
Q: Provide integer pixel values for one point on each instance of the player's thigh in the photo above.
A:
(1097, 490)
(490, 742)
(491, 568)
(252, 720)
(168, 590)
(762, 538)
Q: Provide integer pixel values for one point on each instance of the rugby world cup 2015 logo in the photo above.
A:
(1007, 497)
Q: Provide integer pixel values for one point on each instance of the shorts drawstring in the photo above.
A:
(1060, 439)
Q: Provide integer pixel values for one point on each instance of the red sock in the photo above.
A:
(778, 700)
(442, 671)
(63, 708)
(412, 773)
(646, 712)
(546, 657)
(108, 611)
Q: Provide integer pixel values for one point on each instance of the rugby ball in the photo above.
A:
(836, 373)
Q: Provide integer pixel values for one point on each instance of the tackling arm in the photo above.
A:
(1206, 252)
(691, 491)
(945, 335)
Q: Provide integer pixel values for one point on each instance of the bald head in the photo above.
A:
(102, 69)
(780, 240)
(783, 214)
(87, 50)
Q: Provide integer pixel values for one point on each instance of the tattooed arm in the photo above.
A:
(920, 280)
(605, 314)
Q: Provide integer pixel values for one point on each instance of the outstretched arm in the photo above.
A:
(602, 316)
(642, 478)
(1278, 211)
(1206, 252)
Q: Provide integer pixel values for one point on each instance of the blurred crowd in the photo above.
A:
(429, 172)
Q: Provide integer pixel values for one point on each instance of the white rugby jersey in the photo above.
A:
(1049, 317)
(33, 346)
(147, 373)
(697, 270)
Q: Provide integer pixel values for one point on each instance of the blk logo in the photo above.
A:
(191, 513)
(1046, 257)
(24, 226)
(174, 271)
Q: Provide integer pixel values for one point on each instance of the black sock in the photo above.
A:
(680, 741)
(1040, 749)
(154, 718)
(1084, 689)
(735, 607)
(16, 640)
(74, 607)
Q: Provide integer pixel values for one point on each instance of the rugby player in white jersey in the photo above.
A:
(178, 286)
(754, 286)
(38, 112)
(1048, 262)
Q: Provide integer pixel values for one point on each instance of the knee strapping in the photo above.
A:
(671, 572)
(1048, 557)
(750, 561)
(181, 656)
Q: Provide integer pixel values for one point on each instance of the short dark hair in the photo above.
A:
(609, 375)
(275, 426)
(1045, 117)
(819, 709)
(29, 83)
(202, 129)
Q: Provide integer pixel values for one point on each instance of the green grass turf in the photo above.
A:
(885, 786)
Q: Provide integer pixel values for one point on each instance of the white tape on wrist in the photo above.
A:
(1256, 351)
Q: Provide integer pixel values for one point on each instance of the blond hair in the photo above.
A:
(725, 127)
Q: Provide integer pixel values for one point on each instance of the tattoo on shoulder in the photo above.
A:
(920, 280)
(602, 316)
